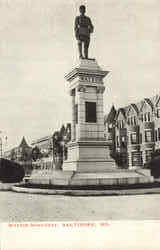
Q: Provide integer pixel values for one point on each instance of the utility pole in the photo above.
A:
(0, 147)
(1, 144)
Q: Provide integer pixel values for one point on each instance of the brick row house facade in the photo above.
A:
(20, 153)
(134, 131)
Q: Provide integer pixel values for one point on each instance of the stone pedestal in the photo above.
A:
(88, 150)
(89, 162)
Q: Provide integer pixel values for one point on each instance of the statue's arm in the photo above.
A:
(91, 27)
(76, 26)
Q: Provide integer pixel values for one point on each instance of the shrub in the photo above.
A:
(154, 166)
(119, 159)
(155, 153)
(10, 171)
(36, 153)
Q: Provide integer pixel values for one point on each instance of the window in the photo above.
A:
(149, 117)
(110, 126)
(76, 113)
(123, 141)
(158, 113)
(134, 138)
(148, 155)
(118, 124)
(91, 114)
(136, 159)
(140, 138)
(142, 117)
(148, 136)
(155, 135)
(122, 124)
(145, 117)
(159, 134)
(123, 158)
(128, 121)
(117, 141)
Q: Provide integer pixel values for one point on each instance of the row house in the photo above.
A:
(46, 146)
(135, 131)
(20, 153)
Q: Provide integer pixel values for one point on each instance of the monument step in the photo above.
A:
(124, 177)
(52, 173)
(107, 175)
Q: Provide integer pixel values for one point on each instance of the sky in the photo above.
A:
(38, 48)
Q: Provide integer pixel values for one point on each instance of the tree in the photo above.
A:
(57, 144)
(25, 154)
(154, 164)
(155, 153)
(119, 159)
(13, 155)
(36, 153)
(62, 131)
(10, 171)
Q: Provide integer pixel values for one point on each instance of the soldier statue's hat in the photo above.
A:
(82, 7)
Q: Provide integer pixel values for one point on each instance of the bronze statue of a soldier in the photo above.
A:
(83, 28)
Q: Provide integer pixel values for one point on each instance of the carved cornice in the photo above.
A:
(87, 72)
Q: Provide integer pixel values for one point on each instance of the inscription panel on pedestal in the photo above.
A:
(90, 112)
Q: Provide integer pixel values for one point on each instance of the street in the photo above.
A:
(33, 207)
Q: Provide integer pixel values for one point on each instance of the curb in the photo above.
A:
(85, 192)
(7, 186)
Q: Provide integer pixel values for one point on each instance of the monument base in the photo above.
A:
(89, 156)
(118, 177)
